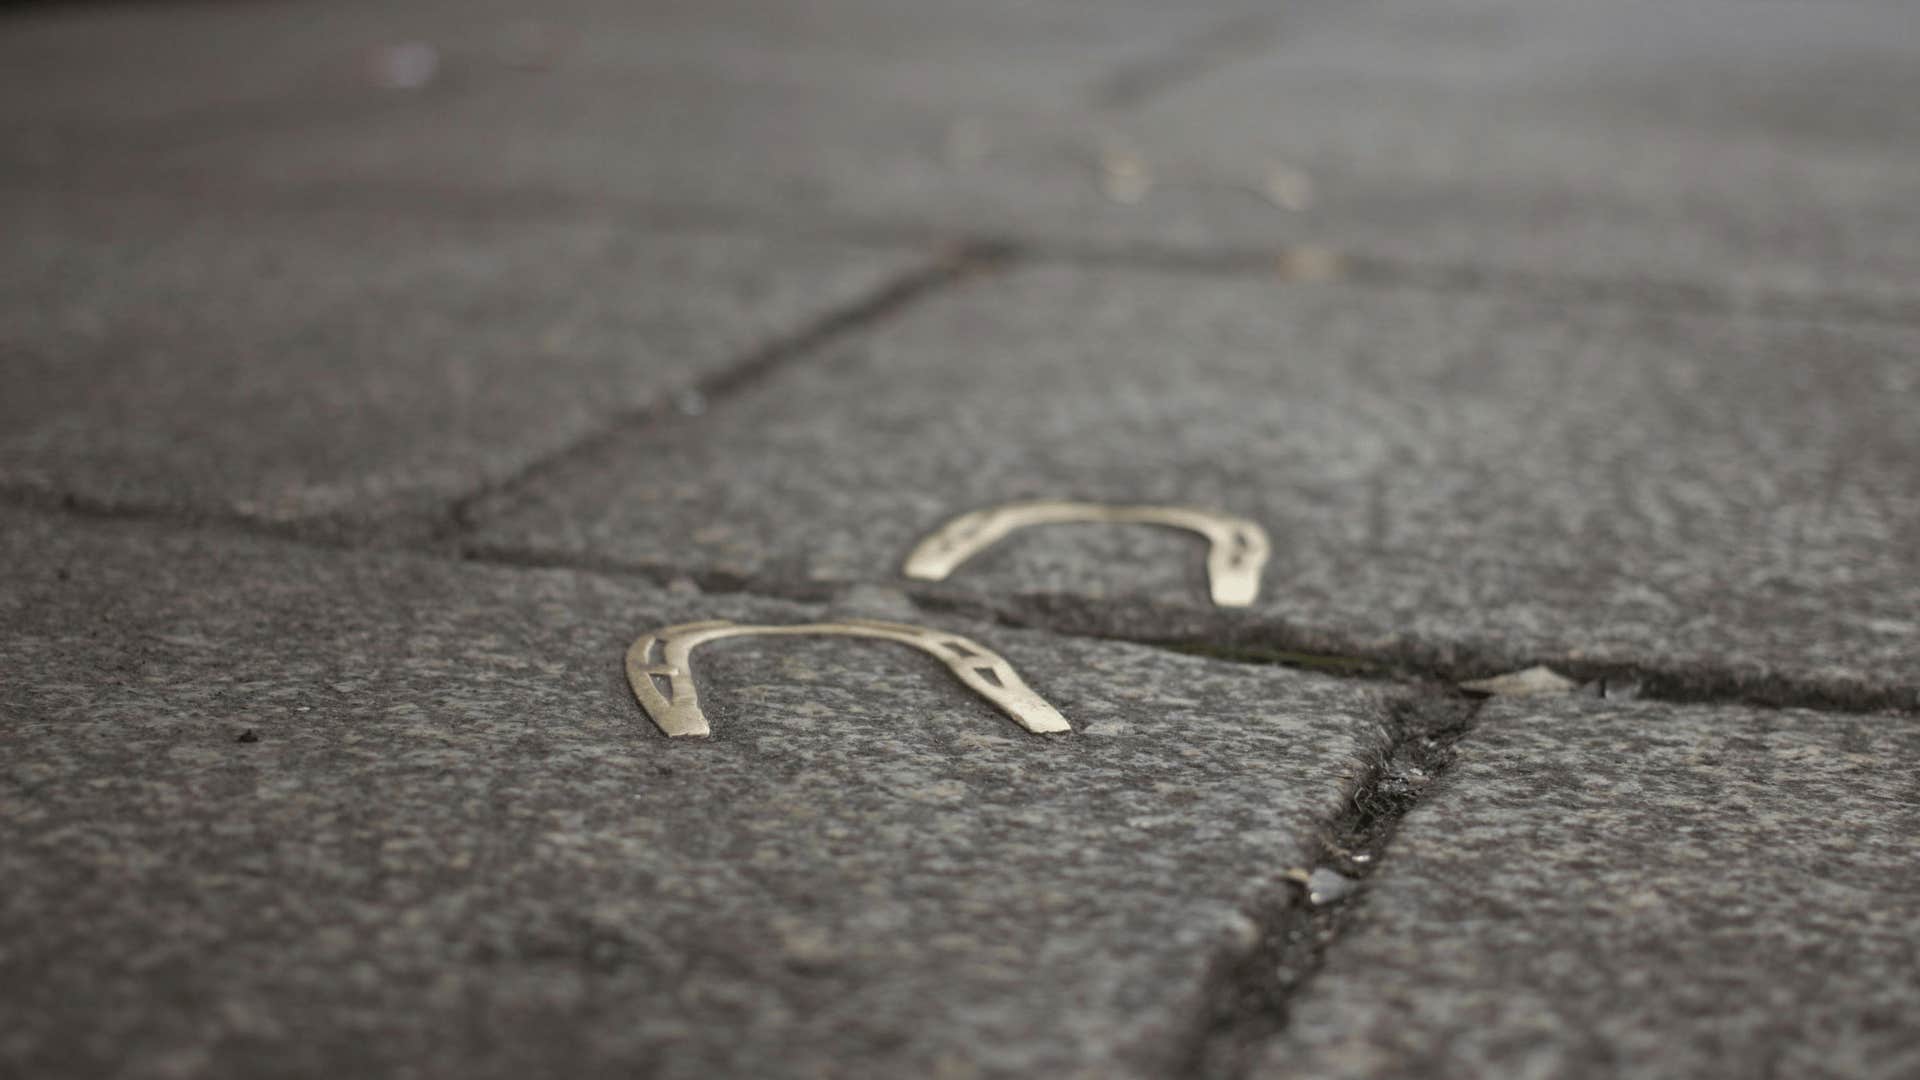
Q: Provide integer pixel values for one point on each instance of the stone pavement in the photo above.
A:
(378, 373)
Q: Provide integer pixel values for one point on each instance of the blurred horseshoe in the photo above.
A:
(1238, 551)
(663, 655)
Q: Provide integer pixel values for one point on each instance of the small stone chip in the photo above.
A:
(1326, 886)
(1532, 682)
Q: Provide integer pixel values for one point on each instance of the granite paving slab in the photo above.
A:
(77, 81)
(789, 147)
(422, 81)
(1641, 143)
(1749, 146)
(1466, 482)
(888, 141)
(1598, 889)
(353, 366)
(277, 809)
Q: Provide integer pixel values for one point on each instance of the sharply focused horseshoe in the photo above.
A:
(663, 654)
(1239, 547)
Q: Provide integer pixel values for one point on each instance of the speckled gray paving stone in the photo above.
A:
(1468, 482)
(1599, 890)
(458, 847)
(1738, 144)
(341, 365)
(1639, 142)
(579, 94)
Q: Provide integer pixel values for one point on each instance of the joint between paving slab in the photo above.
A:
(1229, 639)
(28, 496)
(1298, 263)
(1308, 263)
(1217, 637)
(889, 300)
(1276, 641)
(1132, 85)
(1250, 992)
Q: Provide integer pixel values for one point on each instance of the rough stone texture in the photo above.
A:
(457, 848)
(1745, 145)
(584, 94)
(1640, 141)
(336, 266)
(1463, 481)
(199, 58)
(1641, 890)
(345, 365)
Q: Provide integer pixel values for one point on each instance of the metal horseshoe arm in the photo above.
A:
(1238, 547)
(663, 654)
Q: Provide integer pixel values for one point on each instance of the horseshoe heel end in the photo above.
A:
(996, 681)
(674, 727)
(682, 723)
(945, 548)
(1039, 717)
(1235, 592)
(1234, 565)
(936, 556)
(924, 565)
(678, 716)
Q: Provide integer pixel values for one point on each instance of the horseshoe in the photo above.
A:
(663, 654)
(1238, 547)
